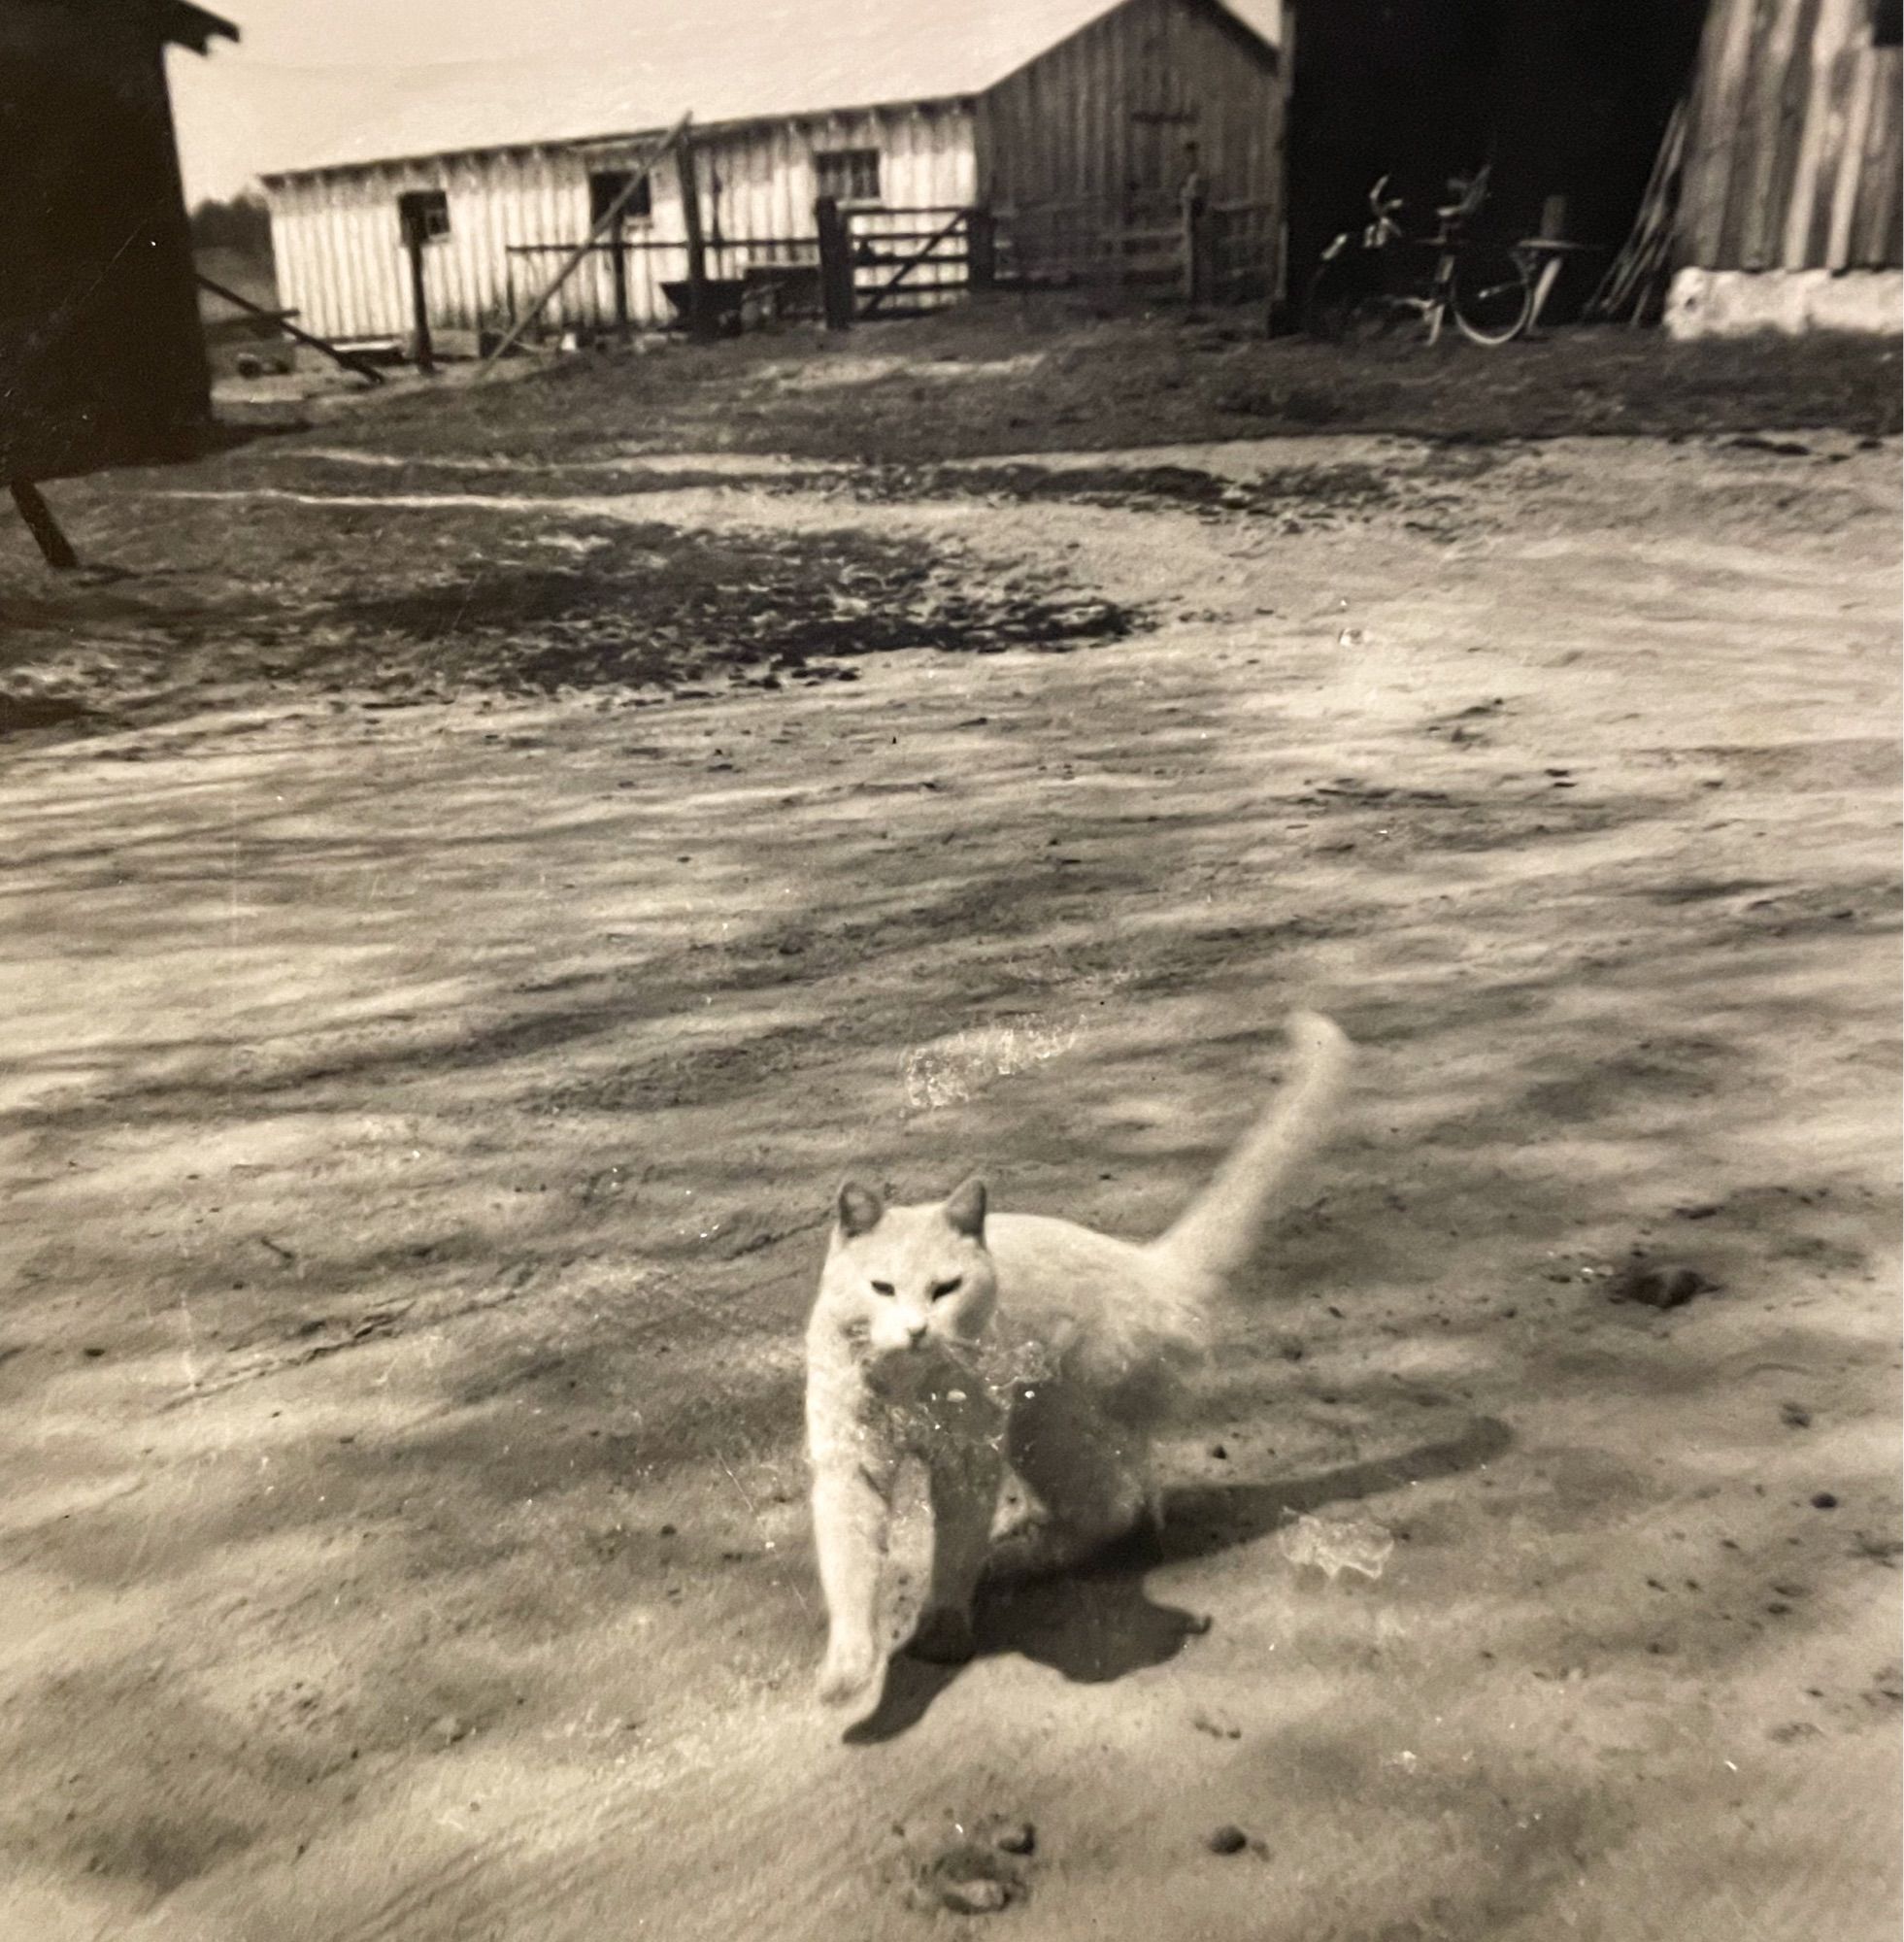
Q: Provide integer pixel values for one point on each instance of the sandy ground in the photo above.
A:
(421, 1123)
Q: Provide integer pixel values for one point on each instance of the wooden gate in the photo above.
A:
(856, 263)
(899, 262)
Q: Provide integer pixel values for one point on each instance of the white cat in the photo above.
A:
(967, 1343)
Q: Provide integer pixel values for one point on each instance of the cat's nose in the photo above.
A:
(915, 1332)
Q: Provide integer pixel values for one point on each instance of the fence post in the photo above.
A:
(618, 260)
(980, 249)
(422, 350)
(835, 265)
(700, 313)
(1196, 247)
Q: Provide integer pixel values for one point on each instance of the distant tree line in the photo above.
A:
(242, 224)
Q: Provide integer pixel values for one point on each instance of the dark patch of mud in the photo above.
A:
(22, 712)
(1315, 492)
(649, 606)
(410, 605)
(594, 471)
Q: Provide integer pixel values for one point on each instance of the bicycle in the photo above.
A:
(1371, 279)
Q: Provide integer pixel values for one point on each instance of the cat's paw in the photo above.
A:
(848, 1669)
(944, 1638)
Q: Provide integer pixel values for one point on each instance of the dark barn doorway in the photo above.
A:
(1565, 97)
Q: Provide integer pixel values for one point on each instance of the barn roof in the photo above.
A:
(724, 61)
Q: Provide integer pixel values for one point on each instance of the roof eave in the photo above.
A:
(188, 26)
(618, 139)
(1265, 49)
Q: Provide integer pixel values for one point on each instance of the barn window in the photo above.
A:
(424, 213)
(1887, 23)
(849, 175)
(605, 185)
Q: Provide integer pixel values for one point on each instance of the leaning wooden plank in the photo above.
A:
(281, 320)
(1652, 227)
(53, 545)
(638, 171)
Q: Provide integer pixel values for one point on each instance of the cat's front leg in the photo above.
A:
(851, 1511)
(964, 1497)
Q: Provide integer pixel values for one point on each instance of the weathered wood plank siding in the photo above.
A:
(1083, 151)
(1103, 119)
(514, 213)
(1794, 162)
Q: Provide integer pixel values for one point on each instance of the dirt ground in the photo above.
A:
(466, 910)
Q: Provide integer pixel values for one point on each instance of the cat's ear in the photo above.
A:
(966, 1209)
(859, 1209)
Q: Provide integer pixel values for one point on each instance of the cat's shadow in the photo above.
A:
(1097, 1624)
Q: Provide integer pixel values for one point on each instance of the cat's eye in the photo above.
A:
(941, 1288)
(883, 1288)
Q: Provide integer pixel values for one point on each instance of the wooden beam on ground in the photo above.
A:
(53, 545)
(279, 322)
(637, 173)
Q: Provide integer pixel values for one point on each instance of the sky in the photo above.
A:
(307, 73)
(314, 81)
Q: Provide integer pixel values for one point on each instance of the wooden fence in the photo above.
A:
(887, 262)
(893, 262)
(1143, 247)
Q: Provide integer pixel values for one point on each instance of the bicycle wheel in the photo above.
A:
(1492, 296)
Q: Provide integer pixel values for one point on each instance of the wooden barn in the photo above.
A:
(1789, 212)
(1077, 126)
(101, 357)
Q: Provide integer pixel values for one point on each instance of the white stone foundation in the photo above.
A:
(1730, 303)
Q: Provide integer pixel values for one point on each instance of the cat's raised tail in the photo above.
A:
(1216, 1233)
